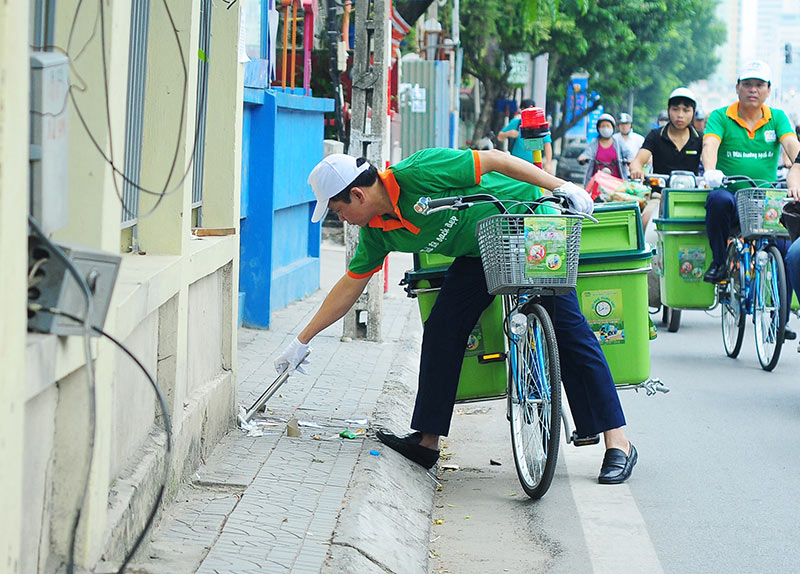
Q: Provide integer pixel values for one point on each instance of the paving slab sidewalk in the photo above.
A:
(317, 503)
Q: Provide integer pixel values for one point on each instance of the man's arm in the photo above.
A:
(548, 157)
(793, 181)
(710, 149)
(517, 168)
(791, 146)
(503, 135)
(637, 165)
(336, 304)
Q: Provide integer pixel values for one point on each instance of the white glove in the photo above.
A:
(292, 357)
(713, 178)
(577, 197)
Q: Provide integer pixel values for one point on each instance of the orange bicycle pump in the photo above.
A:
(533, 129)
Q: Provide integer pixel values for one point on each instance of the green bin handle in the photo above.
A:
(615, 272)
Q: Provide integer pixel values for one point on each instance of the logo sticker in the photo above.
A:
(769, 136)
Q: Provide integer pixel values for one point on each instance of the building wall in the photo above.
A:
(13, 207)
(174, 303)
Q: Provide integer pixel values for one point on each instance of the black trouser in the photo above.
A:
(584, 371)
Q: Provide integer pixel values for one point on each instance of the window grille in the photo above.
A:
(202, 106)
(137, 71)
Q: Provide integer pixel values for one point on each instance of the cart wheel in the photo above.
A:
(664, 315)
(674, 320)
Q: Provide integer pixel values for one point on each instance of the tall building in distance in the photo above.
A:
(757, 29)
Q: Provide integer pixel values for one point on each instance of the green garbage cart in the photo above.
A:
(683, 254)
(612, 289)
(483, 372)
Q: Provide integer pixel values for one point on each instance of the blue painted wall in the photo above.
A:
(280, 247)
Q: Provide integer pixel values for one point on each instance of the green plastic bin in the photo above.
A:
(618, 230)
(612, 291)
(684, 256)
(684, 204)
(483, 372)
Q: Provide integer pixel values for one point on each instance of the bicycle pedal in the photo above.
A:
(585, 440)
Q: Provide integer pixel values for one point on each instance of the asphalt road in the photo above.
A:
(714, 490)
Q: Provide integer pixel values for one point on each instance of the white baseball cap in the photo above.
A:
(330, 177)
(756, 70)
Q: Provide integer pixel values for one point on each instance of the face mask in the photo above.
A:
(606, 132)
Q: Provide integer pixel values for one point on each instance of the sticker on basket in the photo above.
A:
(603, 311)
(475, 341)
(545, 247)
(773, 205)
(691, 263)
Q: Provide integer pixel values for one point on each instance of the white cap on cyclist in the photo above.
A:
(756, 70)
(625, 118)
(331, 176)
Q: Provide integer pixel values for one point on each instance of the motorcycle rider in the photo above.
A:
(605, 151)
(626, 136)
(517, 148)
(675, 146)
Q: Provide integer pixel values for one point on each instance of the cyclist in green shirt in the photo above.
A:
(388, 207)
(742, 139)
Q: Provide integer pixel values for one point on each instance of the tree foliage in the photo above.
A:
(633, 50)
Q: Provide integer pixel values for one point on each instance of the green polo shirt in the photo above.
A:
(434, 173)
(744, 152)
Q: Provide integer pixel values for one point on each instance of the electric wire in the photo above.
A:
(83, 87)
(165, 413)
(87, 349)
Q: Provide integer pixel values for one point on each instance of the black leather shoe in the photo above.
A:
(789, 335)
(409, 447)
(617, 466)
(715, 274)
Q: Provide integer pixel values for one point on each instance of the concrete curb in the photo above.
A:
(385, 524)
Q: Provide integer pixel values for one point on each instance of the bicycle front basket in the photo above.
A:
(760, 211)
(522, 252)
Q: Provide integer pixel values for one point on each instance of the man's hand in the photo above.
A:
(637, 173)
(714, 178)
(577, 197)
(292, 357)
(793, 182)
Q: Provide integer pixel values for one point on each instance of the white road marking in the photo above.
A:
(615, 532)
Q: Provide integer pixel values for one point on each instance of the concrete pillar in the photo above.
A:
(167, 142)
(369, 132)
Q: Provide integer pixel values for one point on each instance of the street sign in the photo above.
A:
(577, 101)
(520, 74)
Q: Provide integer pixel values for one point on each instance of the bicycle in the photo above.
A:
(756, 283)
(534, 381)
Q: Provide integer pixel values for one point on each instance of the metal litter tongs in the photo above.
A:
(244, 418)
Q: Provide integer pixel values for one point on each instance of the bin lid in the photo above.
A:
(414, 275)
(670, 221)
(617, 257)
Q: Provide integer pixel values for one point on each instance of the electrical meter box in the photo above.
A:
(50, 284)
(49, 142)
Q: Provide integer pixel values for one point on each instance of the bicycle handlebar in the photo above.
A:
(459, 202)
(763, 183)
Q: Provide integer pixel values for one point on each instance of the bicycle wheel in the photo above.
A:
(730, 299)
(769, 315)
(535, 402)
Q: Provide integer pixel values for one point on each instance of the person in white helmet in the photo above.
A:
(627, 136)
(699, 122)
(605, 153)
(675, 146)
